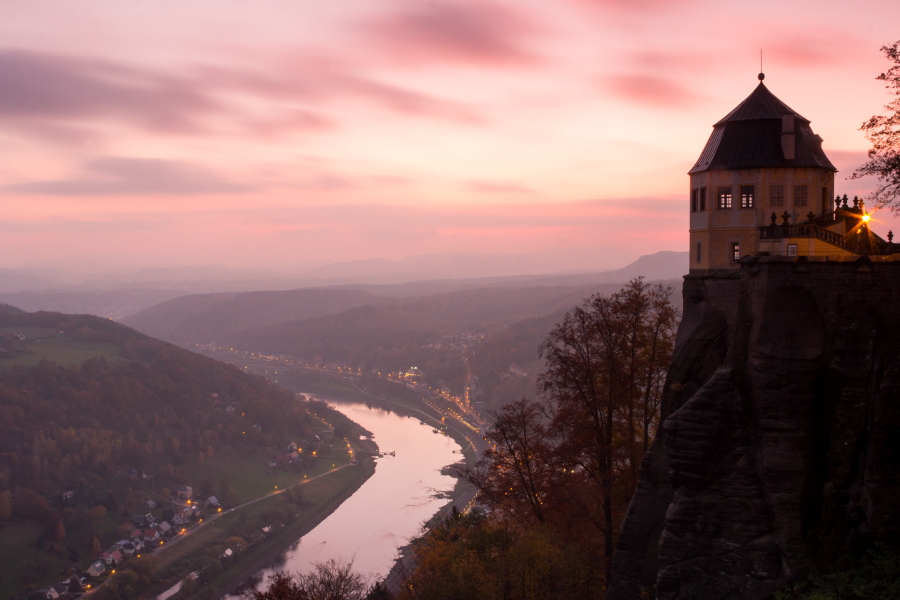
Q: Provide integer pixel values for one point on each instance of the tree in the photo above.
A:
(518, 474)
(329, 580)
(604, 376)
(883, 131)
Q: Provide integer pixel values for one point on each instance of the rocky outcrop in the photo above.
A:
(779, 449)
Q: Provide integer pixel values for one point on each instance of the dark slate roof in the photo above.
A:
(750, 137)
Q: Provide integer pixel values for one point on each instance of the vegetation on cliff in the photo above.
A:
(561, 470)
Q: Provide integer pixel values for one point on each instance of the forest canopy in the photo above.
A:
(65, 427)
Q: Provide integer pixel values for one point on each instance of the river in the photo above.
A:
(391, 506)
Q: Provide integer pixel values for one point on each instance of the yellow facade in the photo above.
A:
(716, 228)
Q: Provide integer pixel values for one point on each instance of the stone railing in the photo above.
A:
(856, 243)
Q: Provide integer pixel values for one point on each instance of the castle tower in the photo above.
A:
(762, 158)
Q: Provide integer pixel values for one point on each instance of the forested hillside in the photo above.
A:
(206, 317)
(144, 405)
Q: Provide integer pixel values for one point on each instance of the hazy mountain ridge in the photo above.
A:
(120, 294)
(210, 317)
(201, 318)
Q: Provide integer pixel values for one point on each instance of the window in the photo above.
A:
(747, 196)
(736, 251)
(699, 251)
(792, 249)
(801, 195)
(776, 196)
(695, 194)
(724, 197)
(702, 199)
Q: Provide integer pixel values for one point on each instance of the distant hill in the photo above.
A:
(471, 265)
(202, 318)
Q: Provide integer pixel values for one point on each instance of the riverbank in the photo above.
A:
(320, 498)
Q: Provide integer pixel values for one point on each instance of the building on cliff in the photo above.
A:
(763, 187)
(778, 449)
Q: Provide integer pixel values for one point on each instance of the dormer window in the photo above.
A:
(725, 200)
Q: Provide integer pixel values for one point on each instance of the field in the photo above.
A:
(62, 350)
(251, 478)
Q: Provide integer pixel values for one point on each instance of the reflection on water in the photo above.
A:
(389, 508)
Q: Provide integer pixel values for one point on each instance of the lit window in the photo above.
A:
(736, 251)
(747, 196)
(792, 249)
(699, 251)
(702, 199)
(724, 197)
(695, 200)
(801, 195)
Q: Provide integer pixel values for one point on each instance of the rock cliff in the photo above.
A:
(779, 449)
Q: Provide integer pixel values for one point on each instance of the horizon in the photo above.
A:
(140, 136)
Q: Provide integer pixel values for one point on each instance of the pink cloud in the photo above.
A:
(651, 90)
(320, 80)
(483, 33)
(48, 88)
(821, 47)
(119, 176)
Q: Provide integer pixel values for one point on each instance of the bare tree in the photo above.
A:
(330, 580)
(518, 474)
(883, 131)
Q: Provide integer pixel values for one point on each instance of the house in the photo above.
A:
(231, 408)
(212, 501)
(763, 187)
(56, 590)
(150, 535)
(150, 504)
(143, 521)
(132, 547)
(111, 557)
(163, 528)
(185, 492)
(292, 446)
(96, 569)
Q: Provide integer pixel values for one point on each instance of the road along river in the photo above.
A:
(406, 490)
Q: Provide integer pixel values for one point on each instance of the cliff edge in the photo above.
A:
(779, 449)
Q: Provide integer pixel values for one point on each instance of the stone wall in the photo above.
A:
(780, 445)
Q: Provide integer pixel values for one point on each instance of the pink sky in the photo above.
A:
(276, 133)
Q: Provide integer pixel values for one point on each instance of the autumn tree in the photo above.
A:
(883, 131)
(518, 473)
(604, 376)
(330, 580)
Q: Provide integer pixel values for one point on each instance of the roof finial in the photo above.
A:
(761, 75)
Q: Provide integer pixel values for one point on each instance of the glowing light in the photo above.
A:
(866, 218)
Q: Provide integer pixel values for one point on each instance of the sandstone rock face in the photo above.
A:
(779, 449)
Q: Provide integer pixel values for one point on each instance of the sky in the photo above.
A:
(282, 133)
